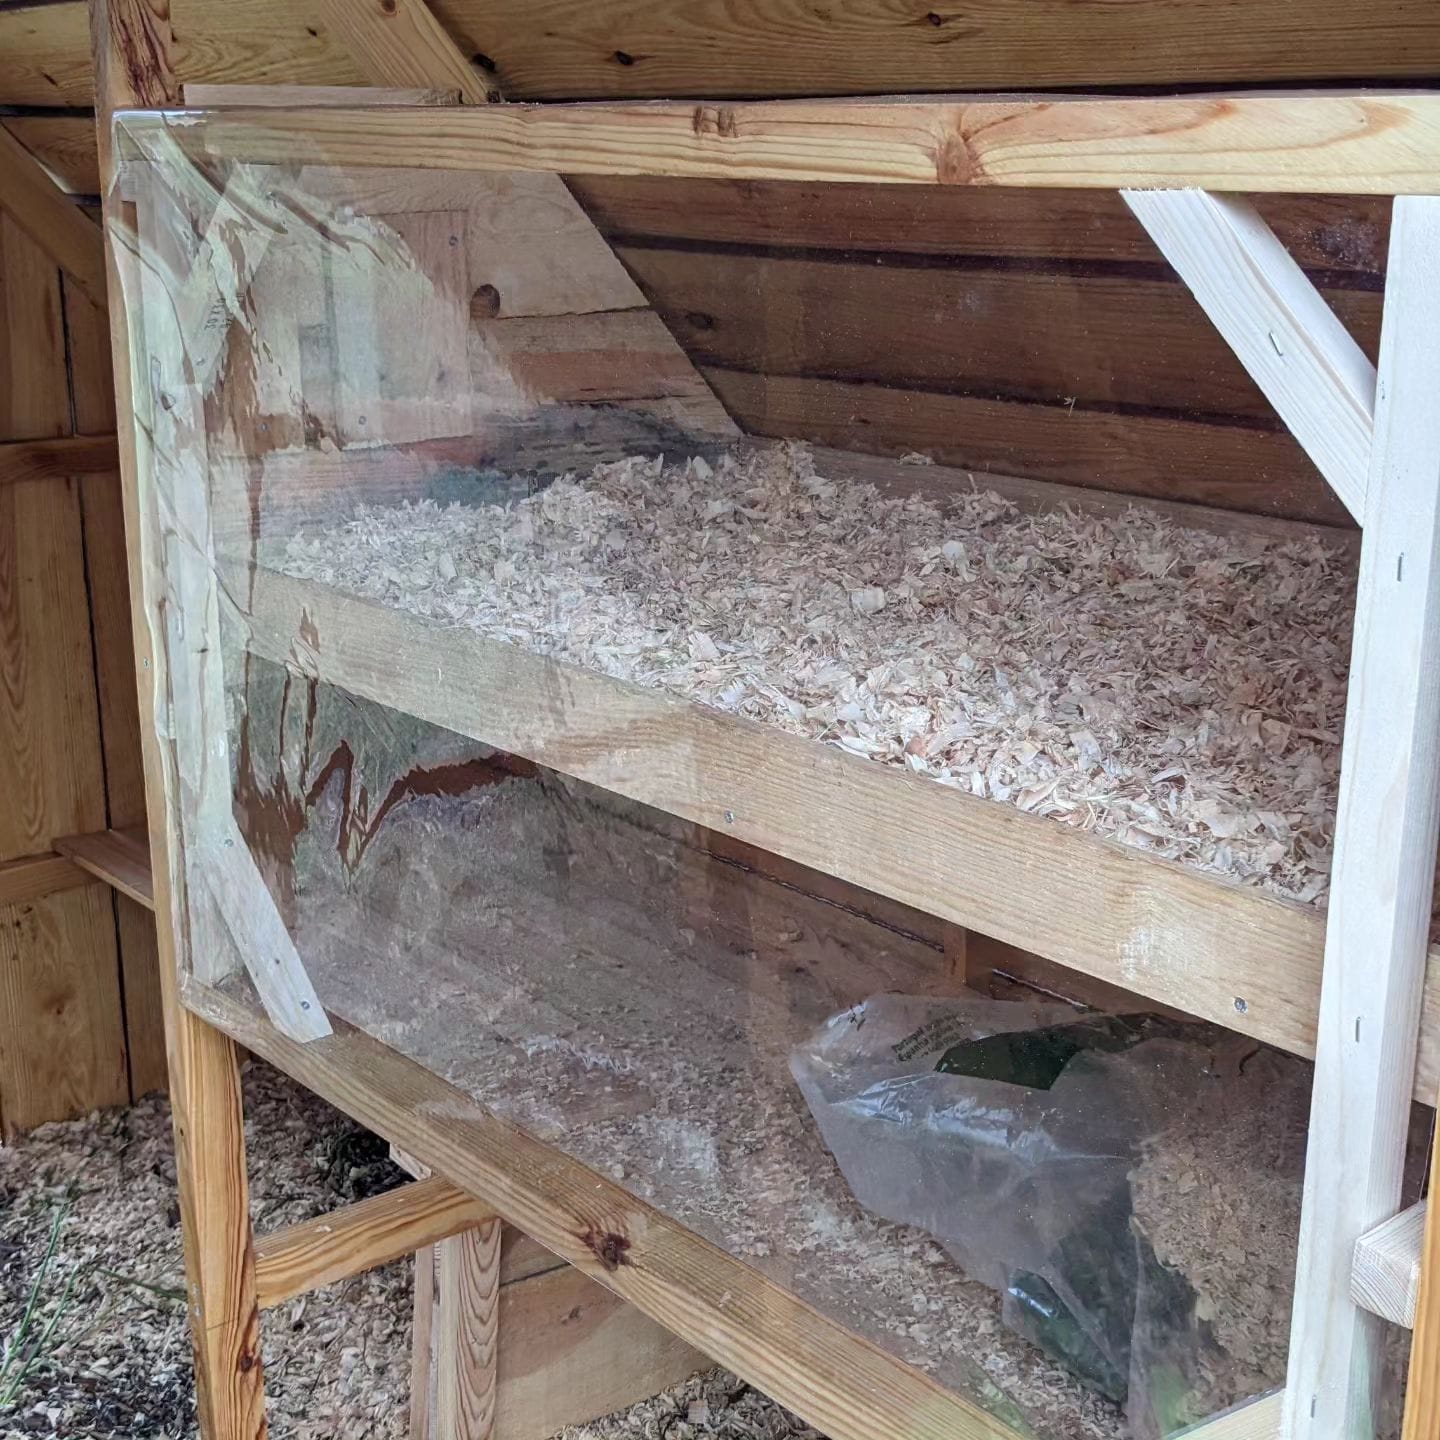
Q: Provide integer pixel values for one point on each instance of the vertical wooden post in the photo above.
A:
(1422, 1395)
(131, 43)
(1384, 870)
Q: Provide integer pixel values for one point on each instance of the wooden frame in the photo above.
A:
(1335, 143)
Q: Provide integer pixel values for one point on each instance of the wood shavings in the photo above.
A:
(1178, 691)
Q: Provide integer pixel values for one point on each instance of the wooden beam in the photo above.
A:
(1279, 326)
(121, 858)
(370, 1233)
(1333, 143)
(1148, 925)
(1386, 829)
(1386, 1278)
(277, 97)
(404, 41)
(34, 876)
(53, 220)
(131, 44)
(467, 1279)
(841, 1384)
(63, 457)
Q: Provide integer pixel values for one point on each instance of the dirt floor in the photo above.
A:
(92, 1312)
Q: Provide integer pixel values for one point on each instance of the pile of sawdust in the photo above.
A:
(1180, 691)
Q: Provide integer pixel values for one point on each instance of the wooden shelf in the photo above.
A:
(1211, 948)
(121, 858)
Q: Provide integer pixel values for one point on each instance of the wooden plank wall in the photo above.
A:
(1030, 333)
(69, 735)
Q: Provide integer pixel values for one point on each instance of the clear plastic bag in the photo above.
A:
(1033, 1141)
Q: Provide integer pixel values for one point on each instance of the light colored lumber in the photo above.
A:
(467, 1280)
(842, 1385)
(121, 858)
(34, 876)
(361, 1237)
(1255, 1420)
(1386, 1278)
(1296, 350)
(1328, 143)
(1386, 828)
(62, 457)
(132, 66)
(403, 43)
(64, 144)
(1148, 925)
(1422, 1394)
(211, 97)
(67, 234)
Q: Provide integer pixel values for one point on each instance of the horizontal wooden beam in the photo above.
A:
(35, 876)
(1386, 1279)
(58, 458)
(121, 858)
(272, 97)
(72, 240)
(1223, 952)
(360, 1237)
(1316, 143)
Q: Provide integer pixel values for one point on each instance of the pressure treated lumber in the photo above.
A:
(360, 1237)
(1386, 828)
(1337, 143)
(842, 1385)
(66, 233)
(121, 858)
(274, 97)
(131, 40)
(1148, 925)
(1289, 340)
(467, 1334)
(1386, 1279)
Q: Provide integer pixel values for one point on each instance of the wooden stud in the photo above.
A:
(1386, 830)
(1311, 370)
(467, 1278)
(121, 858)
(1386, 1278)
(361, 1237)
(276, 97)
(131, 47)
(1320, 143)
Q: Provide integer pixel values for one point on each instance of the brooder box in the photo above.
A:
(632, 584)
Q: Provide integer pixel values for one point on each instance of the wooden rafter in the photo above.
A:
(51, 219)
(1332, 143)
(1278, 324)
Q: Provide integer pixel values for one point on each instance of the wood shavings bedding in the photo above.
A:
(1179, 691)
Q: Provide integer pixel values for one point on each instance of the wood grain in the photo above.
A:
(1386, 1277)
(839, 1383)
(1228, 467)
(53, 221)
(1422, 1395)
(32, 877)
(59, 458)
(1340, 235)
(1290, 340)
(65, 145)
(1150, 926)
(467, 1279)
(121, 858)
(404, 41)
(562, 49)
(1382, 878)
(987, 329)
(359, 1237)
(1312, 143)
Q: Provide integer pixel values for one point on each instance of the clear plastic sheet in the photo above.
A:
(1019, 1134)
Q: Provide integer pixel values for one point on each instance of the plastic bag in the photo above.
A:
(1018, 1134)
